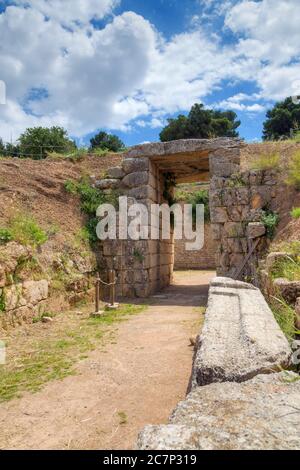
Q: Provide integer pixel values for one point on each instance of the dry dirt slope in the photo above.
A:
(37, 188)
(287, 196)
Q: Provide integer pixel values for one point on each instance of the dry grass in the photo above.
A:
(266, 161)
(39, 353)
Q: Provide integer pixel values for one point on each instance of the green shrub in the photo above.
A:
(90, 198)
(266, 161)
(285, 317)
(296, 213)
(25, 230)
(200, 197)
(2, 301)
(294, 171)
(288, 247)
(138, 255)
(74, 156)
(5, 235)
(98, 152)
(270, 220)
(288, 268)
(196, 198)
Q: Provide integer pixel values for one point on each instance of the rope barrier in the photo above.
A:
(106, 283)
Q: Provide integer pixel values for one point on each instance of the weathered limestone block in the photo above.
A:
(115, 173)
(234, 229)
(108, 183)
(22, 314)
(9, 256)
(229, 197)
(242, 196)
(135, 179)
(236, 245)
(35, 291)
(132, 165)
(236, 259)
(253, 215)
(240, 337)
(225, 166)
(112, 248)
(254, 415)
(228, 147)
(142, 192)
(255, 177)
(236, 213)
(217, 182)
(218, 215)
(261, 196)
(216, 197)
(270, 177)
(216, 231)
(13, 297)
(289, 290)
(256, 230)
(224, 260)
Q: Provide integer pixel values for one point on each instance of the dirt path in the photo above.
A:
(136, 380)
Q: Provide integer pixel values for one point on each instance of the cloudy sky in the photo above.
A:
(128, 65)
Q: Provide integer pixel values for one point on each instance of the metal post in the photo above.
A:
(112, 289)
(97, 297)
(97, 312)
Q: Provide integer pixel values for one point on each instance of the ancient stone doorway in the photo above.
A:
(145, 266)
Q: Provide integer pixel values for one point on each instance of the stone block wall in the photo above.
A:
(237, 204)
(142, 266)
(203, 259)
(29, 282)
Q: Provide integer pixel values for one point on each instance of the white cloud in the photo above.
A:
(71, 11)
(241, 102)
(270, 27)
(89, 78)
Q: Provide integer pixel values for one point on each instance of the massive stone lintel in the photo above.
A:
(157, 149)
(254, 415)
(240, 337)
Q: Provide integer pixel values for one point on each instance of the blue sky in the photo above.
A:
(128, 65)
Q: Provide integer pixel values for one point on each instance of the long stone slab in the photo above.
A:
(240, 337)
(262, 413)
(183, 146)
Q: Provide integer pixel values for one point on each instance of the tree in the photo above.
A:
(37, 142)
(284, 116)
(201, 123)
(9, 150)
(2, 147)
(105, 141)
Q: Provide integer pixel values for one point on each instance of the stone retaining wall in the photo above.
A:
(237, 204)
(203, 259)
(35, 283)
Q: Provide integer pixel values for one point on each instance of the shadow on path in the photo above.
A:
(189, 288)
